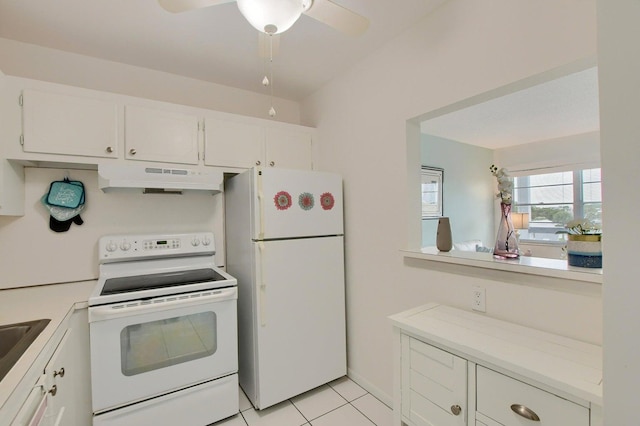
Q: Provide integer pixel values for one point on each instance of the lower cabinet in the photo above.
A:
(62, 394)
(34, 410)
(434, 385)
(58, 384)
(457, 368)
(67, 373)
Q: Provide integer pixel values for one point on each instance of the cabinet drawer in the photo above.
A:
(496, 393)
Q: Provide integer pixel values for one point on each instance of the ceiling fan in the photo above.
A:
(276, 16)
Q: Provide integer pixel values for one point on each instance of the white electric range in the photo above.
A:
(163, 332)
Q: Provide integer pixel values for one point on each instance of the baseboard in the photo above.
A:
(373, 390)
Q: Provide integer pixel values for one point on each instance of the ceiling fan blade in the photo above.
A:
(268, 48)
(177, 6)
(338, 17)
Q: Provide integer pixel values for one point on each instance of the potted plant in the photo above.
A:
(584, 245)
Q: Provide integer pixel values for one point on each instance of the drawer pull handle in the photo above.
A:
(59, 373)
(54, 390)
(525, 412)
(456, 409)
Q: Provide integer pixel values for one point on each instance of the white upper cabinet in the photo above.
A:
(288, 148)
(58, 124)
(71, 125)
(156, 135)
(241, 144)
(233, 143)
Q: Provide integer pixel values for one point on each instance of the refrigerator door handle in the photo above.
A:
(261, 207)
(263, 287)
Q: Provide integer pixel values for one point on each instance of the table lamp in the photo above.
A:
(520, 221)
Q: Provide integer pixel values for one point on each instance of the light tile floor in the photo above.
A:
(339, 403)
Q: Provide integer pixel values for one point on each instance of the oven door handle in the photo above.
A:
(160, 304)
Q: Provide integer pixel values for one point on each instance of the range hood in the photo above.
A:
(158, 179)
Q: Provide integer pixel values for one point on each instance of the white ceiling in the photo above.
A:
(561, 107)
(214, 44)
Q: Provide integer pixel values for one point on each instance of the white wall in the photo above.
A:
(462, 49)
(619, 79)
(467, 190)
(41, 63)
(32, 254)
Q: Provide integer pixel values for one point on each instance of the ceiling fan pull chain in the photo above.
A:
(272, 110)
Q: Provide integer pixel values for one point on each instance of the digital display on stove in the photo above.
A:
(162, 244)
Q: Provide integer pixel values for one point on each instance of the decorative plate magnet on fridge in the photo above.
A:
(306, 201)
(327, 201)
(282, 200)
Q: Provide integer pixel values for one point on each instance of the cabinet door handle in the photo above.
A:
(59, 373)
(258, 163)
(132, 151)
(272, 163)
(525, 412)
(109, 149)
(456, 409)
(54, 390)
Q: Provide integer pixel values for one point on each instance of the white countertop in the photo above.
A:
(554, 268)
(54, 302)
(557, 362)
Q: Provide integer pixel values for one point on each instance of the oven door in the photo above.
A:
(142, 349)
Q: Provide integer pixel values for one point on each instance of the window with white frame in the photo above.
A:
(431, 180)
(553, 199)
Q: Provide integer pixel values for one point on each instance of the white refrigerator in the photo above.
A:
(285, 245)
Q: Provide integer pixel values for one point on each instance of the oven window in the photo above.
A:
(159, 344)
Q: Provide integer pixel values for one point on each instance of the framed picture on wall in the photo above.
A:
(432, 178)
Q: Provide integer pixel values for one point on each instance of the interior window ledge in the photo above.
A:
(554, 268)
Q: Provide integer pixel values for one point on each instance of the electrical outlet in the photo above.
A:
(478, 303)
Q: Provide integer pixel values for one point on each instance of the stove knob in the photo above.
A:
(112, 246)
(125, 245)
(206, 241)
(195, 242)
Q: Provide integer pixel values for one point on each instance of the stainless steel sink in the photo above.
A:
(15, 340)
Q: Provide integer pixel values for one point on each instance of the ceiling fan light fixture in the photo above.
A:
(271, 16)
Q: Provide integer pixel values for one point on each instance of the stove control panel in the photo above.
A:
(119, 248)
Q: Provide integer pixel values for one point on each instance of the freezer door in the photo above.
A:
(297, 203)
(300, 321)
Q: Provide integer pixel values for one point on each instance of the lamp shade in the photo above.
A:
(520, 220)
(271, 16)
